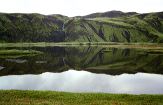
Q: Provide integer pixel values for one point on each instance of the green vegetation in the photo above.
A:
(110, 14)
(30, 27)
(136, 34)
(15, 97)
(104, 27)
(114, 21)
(73, 44)
(14, 53)
(108, 59)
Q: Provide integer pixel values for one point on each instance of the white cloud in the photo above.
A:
(79, 7)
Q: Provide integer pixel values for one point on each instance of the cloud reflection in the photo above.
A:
(82, 81)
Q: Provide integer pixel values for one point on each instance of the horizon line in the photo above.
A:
(76, 15)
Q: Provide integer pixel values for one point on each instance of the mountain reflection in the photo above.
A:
(95, 59)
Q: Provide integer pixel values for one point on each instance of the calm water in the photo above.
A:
(84, 69)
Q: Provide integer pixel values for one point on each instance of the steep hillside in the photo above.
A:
(31, 27)
(135, 28)
(124, 27)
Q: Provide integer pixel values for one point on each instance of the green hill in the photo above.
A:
(110, 14)
(114, 26)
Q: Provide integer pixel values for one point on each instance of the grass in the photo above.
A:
(101, 44)
(135, 28)
(17, 97)
(140, 29)
(14, 53)
(112, 21)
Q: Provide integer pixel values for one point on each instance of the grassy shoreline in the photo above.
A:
(19, 97)
(72, 44)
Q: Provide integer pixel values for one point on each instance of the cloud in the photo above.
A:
(78, 7)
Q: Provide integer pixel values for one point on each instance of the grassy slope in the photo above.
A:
(14, 97)
(30, 27)
(36, 28)
(135, 28)
(110, 14)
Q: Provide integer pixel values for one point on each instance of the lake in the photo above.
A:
(82, 69)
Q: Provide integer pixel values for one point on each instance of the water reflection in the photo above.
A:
(16, 60)
(94, 59)
(1, 67)
(82, 81)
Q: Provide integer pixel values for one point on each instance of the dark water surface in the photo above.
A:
(84, 69)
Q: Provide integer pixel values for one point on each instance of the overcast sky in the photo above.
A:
(79, 7)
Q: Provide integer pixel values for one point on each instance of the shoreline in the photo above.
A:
(73, 44)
